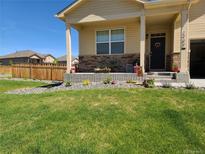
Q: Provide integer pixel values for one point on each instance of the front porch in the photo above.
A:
(156, 42)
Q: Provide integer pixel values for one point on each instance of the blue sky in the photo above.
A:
(30, 24)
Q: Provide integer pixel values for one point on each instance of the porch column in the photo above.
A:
(68, 47)
(184, 41)
(142, 42)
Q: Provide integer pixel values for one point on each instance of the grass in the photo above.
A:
(6, 85)
(104, 121)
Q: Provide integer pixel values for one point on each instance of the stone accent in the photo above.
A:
(168, 63)
(183, 77)
(176, 59)
(117, 63)
(99, 77)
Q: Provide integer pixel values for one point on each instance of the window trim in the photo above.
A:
(110, 42)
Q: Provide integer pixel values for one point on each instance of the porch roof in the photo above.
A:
(75, 3)
(148, 4)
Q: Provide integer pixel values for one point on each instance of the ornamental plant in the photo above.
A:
(108, 80)
(175, 68)
(68, 84)
(149, 83)
(86, 82)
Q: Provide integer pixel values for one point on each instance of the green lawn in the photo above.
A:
(6, 85)
(104, 121)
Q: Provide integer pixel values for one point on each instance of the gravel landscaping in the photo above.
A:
(75, 86)
(22, 79)
(93, 85)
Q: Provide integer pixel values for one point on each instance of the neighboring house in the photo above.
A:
(155, 34)
(63, 60)
(26, 56)
(48, 58)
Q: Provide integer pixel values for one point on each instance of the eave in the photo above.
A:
(61, 15)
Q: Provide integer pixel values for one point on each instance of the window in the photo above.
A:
(102, 40)
(110, 41)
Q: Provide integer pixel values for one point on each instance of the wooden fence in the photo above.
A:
(39, 71)
(5, 69)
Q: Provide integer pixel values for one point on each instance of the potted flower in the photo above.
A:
(139, 71)
(175, 68)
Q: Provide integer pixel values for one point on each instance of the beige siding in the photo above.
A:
(132, 36)
(177, 34)
(48, 59)
(100, 10)
(197, 20)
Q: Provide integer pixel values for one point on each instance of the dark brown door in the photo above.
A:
(157, 55)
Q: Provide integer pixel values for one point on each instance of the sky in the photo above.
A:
(31, 24)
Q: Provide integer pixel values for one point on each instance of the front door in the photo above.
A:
(157, 54)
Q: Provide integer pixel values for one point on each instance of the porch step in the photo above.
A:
(161, 76)
(161, 73)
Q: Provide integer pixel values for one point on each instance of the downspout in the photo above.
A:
(189, 4)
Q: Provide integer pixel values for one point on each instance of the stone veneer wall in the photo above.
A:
(117, 63)
(168, 63)
(175, 59)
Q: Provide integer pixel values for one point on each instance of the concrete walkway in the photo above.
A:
(198, 82)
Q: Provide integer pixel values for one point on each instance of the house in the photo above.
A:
(48, 58)
(63, 60)
(156, 34)
(26, 56)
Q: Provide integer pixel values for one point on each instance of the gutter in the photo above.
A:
(163, 3)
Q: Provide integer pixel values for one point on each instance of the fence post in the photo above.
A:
(51, 72)
(30, 71)
(12, 72)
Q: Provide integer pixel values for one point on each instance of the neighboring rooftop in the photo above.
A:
(23, 53)
(63, 58)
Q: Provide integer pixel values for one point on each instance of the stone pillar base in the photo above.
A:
(183, 77)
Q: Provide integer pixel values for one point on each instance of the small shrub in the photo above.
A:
(166, 85)
(86, 82)
(149, 83)
(68, 84)
(107, 80)
(55, 61)
(190, 86)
